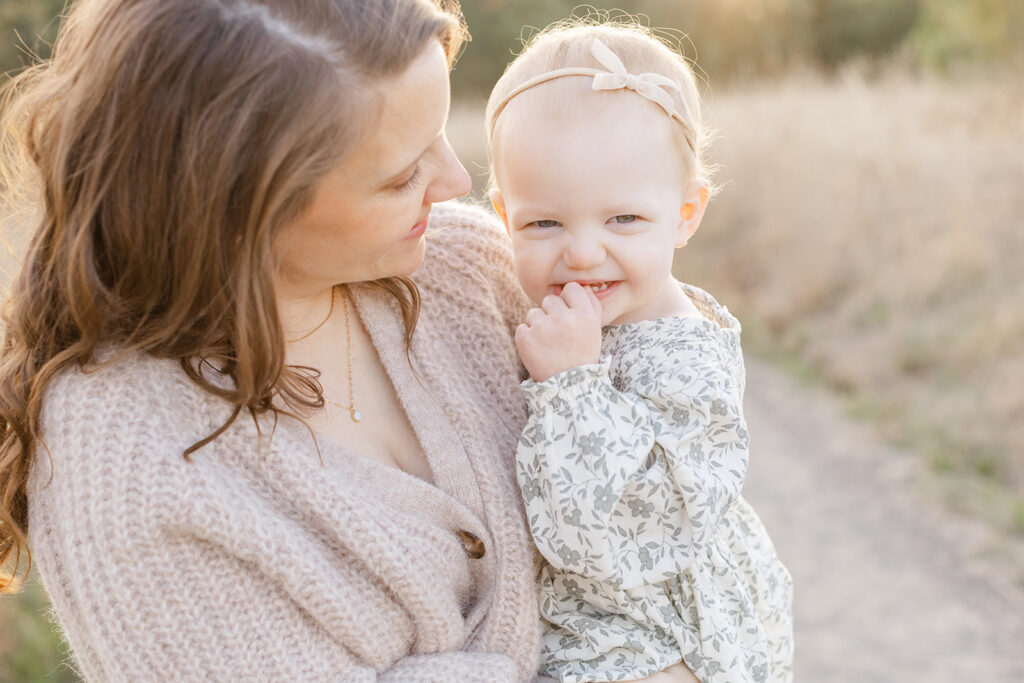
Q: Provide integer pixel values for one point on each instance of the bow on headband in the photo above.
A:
(650, 86)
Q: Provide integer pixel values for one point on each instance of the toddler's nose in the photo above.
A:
(581, 254)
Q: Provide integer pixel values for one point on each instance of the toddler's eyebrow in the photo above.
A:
(534, 209)
(520, 214)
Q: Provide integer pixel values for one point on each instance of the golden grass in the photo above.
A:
(876, 231)
(872, 232)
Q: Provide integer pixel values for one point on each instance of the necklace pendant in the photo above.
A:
(356, 416)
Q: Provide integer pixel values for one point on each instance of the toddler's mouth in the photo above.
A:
(596, 286)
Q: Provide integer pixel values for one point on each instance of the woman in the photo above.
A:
(237, 452)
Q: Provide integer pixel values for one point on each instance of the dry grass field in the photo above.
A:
(869, 234)
(874, 235)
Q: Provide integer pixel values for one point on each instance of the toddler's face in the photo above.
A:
(595, 197)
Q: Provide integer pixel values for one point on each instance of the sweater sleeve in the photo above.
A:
(627, 486)
(475, 667)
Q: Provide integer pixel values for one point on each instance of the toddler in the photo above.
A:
(633, 459)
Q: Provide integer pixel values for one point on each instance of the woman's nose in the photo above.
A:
(583, 252)
(453, 179)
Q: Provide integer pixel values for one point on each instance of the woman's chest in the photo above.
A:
(396, 543)
(426, 550)
(382, 433)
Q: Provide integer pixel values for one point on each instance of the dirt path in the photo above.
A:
(889, 586)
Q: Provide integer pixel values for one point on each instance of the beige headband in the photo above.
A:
(650, 86)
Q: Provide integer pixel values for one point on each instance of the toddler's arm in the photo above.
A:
(626, 486)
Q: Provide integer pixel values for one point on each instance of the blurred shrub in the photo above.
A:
(496, 27)
(841, 29)
(27, 27)
(955, 33)
(30, 647)
(747, 39)
(728, 38)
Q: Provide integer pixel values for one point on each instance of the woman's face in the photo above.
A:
(368, 216)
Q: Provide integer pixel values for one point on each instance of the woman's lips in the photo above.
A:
(417, 230)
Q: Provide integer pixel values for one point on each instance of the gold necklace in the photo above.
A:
(322, 322)
(351, 407)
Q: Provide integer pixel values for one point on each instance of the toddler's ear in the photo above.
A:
(692, 211)
(498, 202)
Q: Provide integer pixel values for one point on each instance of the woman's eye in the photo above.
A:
(625, 219)
(543, 224)
(408, 184)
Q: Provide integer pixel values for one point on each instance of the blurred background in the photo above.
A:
(868, 232)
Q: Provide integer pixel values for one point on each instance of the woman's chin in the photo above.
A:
(409, 263)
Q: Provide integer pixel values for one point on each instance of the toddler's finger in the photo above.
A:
(533, 316)
(582, 298)
(594, 301)
(571, 289)
(522, 341)
(576, 295)
(553, 304)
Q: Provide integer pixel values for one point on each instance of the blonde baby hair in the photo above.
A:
(568, 46)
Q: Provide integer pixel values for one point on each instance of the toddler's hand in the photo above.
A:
(563, 333)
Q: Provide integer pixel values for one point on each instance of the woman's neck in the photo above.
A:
(302, 313)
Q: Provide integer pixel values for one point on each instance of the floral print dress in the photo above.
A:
(631, 472)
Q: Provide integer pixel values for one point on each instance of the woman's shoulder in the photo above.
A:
(124, 403)
(466, 218)
(469, 258)
(112, 443)
(467, 238)
(115, 381)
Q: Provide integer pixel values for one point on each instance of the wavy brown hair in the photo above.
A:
(162, 147)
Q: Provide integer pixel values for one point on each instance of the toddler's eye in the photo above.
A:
(625, 218)
(543, 224)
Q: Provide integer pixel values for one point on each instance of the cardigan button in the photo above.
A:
(472, 544)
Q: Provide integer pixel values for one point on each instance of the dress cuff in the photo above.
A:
(571, 385)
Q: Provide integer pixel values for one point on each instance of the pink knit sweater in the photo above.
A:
(264, 560)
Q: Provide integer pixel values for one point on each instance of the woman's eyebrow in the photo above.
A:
(392, 180)
(405, 171)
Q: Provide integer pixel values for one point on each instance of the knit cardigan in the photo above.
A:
(271, 557)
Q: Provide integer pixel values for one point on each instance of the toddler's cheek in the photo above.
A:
(535, 290)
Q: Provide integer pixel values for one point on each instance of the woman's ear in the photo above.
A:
(692, 211)
(498, 202)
